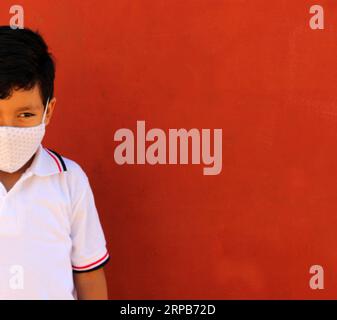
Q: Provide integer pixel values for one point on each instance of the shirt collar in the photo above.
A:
(46, 162)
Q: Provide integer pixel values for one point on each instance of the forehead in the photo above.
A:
(22, 98)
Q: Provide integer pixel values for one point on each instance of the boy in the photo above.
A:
(52, 245)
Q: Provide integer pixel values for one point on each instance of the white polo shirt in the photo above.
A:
(49, 228)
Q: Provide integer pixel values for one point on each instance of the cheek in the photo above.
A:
(28, 122)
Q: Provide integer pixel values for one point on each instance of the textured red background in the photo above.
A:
(253, 68)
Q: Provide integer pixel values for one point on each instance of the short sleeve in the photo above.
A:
(89, 250)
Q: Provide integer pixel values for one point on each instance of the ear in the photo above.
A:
(50, 110)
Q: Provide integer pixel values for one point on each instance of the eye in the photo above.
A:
(26, 115)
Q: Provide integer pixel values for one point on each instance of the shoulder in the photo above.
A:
(74, 169)
(72, 173)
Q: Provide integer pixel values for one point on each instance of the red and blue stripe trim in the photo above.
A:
(94, 265)
(58, 159)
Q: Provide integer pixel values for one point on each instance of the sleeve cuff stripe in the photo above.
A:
(93, 269)
(92, 265)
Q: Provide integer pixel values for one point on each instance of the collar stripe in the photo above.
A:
(57, 162)
(58, 159)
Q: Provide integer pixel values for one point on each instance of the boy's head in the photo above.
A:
(27, 73)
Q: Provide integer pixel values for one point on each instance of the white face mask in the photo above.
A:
(18, 144)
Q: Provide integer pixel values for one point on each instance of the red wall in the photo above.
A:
(254, 69)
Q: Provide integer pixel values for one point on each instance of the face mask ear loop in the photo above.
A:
(45, 111)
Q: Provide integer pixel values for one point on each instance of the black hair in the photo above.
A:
(25, 62)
